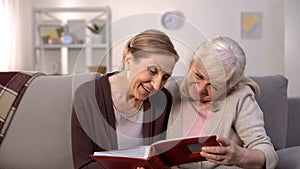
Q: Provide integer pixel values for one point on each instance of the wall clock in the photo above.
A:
(172, 20)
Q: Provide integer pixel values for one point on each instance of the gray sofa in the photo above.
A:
(39, 134)
(281, 115)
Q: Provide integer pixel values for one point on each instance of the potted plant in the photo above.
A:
(97, 37)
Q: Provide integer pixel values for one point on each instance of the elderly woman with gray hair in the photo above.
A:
(215, 98)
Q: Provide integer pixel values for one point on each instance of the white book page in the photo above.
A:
(137, 152)
(174, 139)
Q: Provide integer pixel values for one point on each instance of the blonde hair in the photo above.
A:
(224, 61)
(149, 41)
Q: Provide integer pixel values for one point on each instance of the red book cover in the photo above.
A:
(161, 154)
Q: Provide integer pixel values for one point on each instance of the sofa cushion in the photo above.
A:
(273, 102)
(293, 135)
(289, 158)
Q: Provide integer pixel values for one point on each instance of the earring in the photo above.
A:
(128, 74)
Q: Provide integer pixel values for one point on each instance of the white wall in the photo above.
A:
(212, 17)
(292, 44)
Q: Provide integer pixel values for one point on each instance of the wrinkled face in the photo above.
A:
(149, 74)
(199, 85)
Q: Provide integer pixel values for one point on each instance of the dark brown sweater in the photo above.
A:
(93, 120)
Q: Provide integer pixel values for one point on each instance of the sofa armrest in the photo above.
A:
(293, 134)
(289, 158)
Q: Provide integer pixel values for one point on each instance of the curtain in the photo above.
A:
(9, 35)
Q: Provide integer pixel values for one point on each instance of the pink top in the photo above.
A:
(194, 118)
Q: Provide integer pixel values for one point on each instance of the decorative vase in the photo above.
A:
(97, 39)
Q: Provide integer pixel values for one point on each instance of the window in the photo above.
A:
(5, 35)
(9, 32)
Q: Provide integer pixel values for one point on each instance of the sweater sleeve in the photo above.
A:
(249, 125)
(82, 146)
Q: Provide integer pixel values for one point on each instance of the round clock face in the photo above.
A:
(172, 20)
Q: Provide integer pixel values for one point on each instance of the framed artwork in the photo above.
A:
(51, 34)
(251, 25)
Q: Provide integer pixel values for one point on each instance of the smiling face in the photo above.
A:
(200, 86)
(148, 74)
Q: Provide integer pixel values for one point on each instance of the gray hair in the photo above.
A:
(224, 60)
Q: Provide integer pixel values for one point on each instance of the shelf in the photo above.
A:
(51, 24)
(74, 9)
(72, 46)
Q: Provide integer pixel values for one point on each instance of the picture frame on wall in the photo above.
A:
(50, 34)
(251, 25)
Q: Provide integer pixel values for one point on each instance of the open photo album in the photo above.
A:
(161, 154)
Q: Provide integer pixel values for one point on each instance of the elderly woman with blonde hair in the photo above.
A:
(216, 98)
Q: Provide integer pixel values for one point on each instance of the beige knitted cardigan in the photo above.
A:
(237, 117)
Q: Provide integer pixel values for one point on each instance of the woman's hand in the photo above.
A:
(226, 154)
(230, 154)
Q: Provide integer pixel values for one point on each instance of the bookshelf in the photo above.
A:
(62, 43)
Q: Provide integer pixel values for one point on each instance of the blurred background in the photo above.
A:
(267, 30)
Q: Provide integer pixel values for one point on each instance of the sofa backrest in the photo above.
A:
(273, 102)
(39, 135)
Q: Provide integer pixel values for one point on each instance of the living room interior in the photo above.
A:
(273, 52)
(271, 48)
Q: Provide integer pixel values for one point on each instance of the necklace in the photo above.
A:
(128, 115)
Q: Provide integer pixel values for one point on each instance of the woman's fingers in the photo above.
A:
(140, 168)
(218, 150)
(223, 141)
(226, 154)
